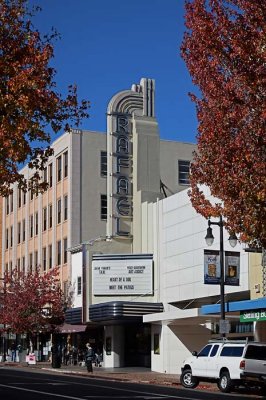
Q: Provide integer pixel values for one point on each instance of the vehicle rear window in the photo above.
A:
(232, 351)
(256, 352)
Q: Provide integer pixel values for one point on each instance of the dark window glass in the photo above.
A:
(256, 352)
(104, 207)
(44, 258)
(183, 172)
(65, 164)
(59, 211)
(205, 351)
(65, 250)
(231, 351)
(65, 208)
(214, 350)
(50, 175)
(59, 168)
(103, 163)
(59, 252)
(19, 232)
(45, 218)
(50, 256)
(50, 215)
(79, 285)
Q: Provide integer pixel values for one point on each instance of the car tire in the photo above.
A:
(225, 383)
(188, 380)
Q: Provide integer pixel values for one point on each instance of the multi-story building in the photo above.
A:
(96, 185)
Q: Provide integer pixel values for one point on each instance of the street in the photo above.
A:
(39, 385)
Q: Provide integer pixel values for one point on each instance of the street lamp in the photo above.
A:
(209, 238)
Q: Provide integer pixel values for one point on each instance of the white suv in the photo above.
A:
(229, 363)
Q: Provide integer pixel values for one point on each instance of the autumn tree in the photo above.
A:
(224, 48)
(32, 302)
(30, 107)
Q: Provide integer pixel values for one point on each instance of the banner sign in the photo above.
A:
(212, 271)
(212, 267)
(253, 315)
(232, 268)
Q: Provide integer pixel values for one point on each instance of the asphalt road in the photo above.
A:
(28, 385)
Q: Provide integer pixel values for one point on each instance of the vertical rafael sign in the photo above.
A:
(122, 110)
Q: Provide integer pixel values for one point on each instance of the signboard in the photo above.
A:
(231, 268)
(122, 277)
(224, 326)
(212, 272)
(253, 315)
(212, 267)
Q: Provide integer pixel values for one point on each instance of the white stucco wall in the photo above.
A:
(179, 250)
(76, 260)
(179, 245)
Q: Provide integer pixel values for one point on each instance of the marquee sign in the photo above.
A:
(122, 277)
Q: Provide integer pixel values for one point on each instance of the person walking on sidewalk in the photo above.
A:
(89, 355)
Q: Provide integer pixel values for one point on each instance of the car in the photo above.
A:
(229, 363)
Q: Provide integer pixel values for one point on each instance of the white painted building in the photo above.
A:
(178, 245)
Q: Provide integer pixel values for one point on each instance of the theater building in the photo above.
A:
(97, 183)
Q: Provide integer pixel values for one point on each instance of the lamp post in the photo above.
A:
(209, 238)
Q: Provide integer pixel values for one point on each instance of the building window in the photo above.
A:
(50, 167)
(23, 265)
(6, 268)
(7, 205)
(11, 236)
(19, 198)
(44, 259)
(65, 207)
(7, 238)
(104, 207)
(44, 222)
(10, 267)
(18, 265)
(31, 262)
(183, 172)
(31, 226)
(50, 256)
(36, 223)
(59, 211)
(44, 176)
(19, 232)
(23, 230)
(65, 164)
(79, 285)
(24, 198)
(31, 194)
(59, 168)
(11, 202)
(36, 260)
(65, 250)
(50, 215)
(59, 252)
(103, 163)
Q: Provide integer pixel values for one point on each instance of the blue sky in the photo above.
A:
(107, 45)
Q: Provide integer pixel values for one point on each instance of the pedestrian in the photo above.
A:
(89, 355)
(13, 352)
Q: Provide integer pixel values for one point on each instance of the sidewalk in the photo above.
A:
(127, 374)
